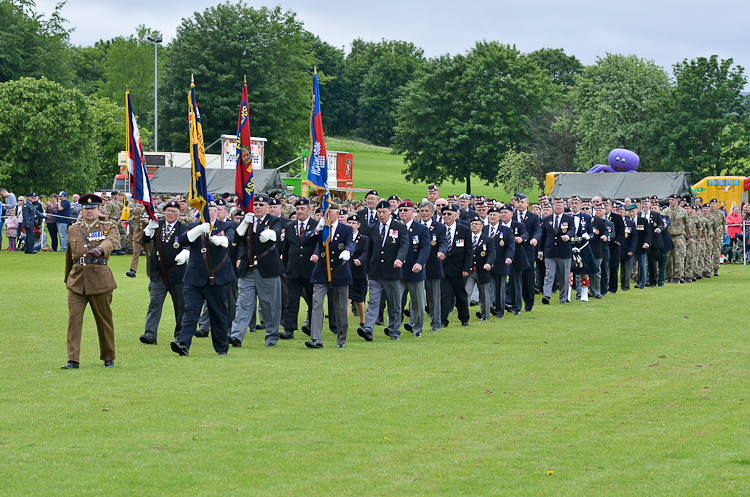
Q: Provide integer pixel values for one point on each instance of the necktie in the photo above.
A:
(372, 218)
(382, 235)
(475, 242)
(450, 238)
(557, 223)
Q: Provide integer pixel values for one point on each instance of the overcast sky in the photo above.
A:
(664, 31)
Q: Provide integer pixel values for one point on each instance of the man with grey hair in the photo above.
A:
(434, 265)
(465, 211)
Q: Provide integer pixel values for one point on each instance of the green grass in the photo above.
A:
(642, 393)
(376, 167)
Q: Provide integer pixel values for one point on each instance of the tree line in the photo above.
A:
(492, 113)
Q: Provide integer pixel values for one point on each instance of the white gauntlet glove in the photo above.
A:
(194, 233)
(249, 218)
(345, 255)
(182, 257)
(219, 241)
(321, 225)
(586, 236)
(150, 228)
(267, 234)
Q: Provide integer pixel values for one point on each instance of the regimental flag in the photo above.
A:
(318, 163)
(244, 185)
(137, 172)
(198, 195)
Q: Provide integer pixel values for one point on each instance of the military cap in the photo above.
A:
(261, 199)
(674, 195)
(302, 201)
(451, 197)
(464, 196)
(654, 197)
(558, 199)
(406, 203)
(506, 208)
(115, 192)
(335, 206)
(631, 207)
(450, 208)
(480, 197)
(705, 206)
(372, 192)
(88, 201)
(394, 197)
(274, 201)
(479, 203)
(354, 218)
(476, 219)
(343, 212)
(32, 194)
(433, 187)
(606, 200)
(220, 201)
(211, 203)
(542, 197)
(493, 209)
(172, 203)
(318, 211)
(575, 197)
(521, 196)
(712, 201)
(383, 204)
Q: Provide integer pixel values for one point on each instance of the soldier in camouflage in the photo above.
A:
(112, 212)
(681, 233)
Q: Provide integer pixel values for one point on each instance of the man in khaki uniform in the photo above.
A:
(113, 212)
(90, 281)
(709, 230)
(720, 230)
(680, 231)
(691, 268)
(137, 222)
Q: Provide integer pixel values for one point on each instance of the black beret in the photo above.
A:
(353, 217)
(372, 192)
(450, 208)
(521, 196)
(220, 201)
(506, 208)
(493, 209)
(262, 198)
(476, 219)
(383, 205)
(172, 203)
(394, 197)
(674, 195)
(302, 201)
(274, 201)
(433, 187)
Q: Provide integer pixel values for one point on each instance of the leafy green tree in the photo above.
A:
(130, 63)
(88, 63)
(517, 171)
(617, 101)
(47, 137)
(32, 46)
(704, 128)
(560, 67)
(552, 140)
(391, 64)
(335, 106)
(220, 46)
(460, 114)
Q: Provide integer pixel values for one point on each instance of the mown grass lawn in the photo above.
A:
(376, 167)
(642, 393)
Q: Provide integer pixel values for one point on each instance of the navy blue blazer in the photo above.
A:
(484, 253)
(533, 226)
(629, 239)
(520, 259)
(383, 255)
(341, 274)
(362, 245)
(197, 272)
(168, 253)
(459, 257)
(554, 246)
(643, 234)
(418, 252)
(297, 249)
(438, 243)
(505, 248)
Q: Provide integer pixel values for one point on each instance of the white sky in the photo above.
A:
(665, 31)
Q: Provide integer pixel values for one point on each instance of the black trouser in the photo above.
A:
(500, 280)
(653, 265)
(527, 281)
(624, 273)
(52, 228)
(28, 245)
(214, 296)
(297, 287)
(458, 286)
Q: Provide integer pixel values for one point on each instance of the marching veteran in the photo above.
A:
(90, 281)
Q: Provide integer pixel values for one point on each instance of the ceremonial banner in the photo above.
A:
(244, 186)
(198, 194)
(136, 166)
(318, 162)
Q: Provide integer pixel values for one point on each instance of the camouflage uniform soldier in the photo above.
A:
(186, 213)
(678, 230)
(137, 223)
(691, 269)
(720, 231)
(705, 245)
(113, 212)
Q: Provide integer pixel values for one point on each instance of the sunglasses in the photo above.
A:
(404, 209)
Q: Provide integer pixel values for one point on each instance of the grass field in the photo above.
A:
(642, 393)
(377, 167)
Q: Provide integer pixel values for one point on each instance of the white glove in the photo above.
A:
(194, 233)
(267, 234)
(150, 228)
(182, 257)
(321, 225)
(249, 218)
(44, 214)
(219, 240)
(345, 255)
(586, 236)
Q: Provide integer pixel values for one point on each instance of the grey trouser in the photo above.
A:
(595, 283)
(484, 293)
(416, 296)
(268, 293)
(157, 292)
(562, 267)
(432, 289)
(391, 290)
(339, 295)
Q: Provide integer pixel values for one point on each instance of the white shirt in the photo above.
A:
(385, 233)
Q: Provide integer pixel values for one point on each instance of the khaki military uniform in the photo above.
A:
(720, 229)
(187, 217)
(705, 245)
(691, 267)
(678, 232)
(90, 281)
(137, 223)
(114, 210)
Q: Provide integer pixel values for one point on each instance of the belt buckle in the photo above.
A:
(81, 261)
(203, 250)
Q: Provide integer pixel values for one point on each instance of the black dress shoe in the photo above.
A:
(130, 274)
(545, 300)
(313, 345)
(516, 313)
(407, 327)
(235, 341)
(387, 332)
(287, 335)
(394, 337)
(340, 345)
(445, 324)
(70, 365)
(270, 345)
(260, 326)
(201, 334)
(179, 348)
(479, 314)
(221, 353)
(148, 340)
(501, 316)
(407, 313)
(418, 334)
(466, 323)
(109, 364)
(306, 330)
(361, 332)
(379, 322)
